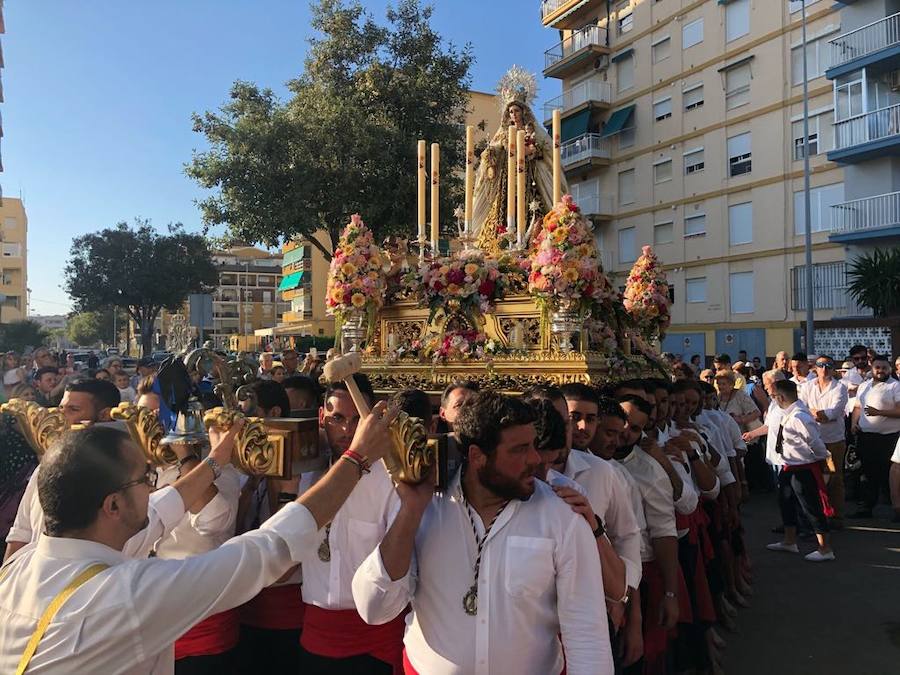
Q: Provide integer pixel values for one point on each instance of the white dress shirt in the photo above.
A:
(540, 578)
(164, 512)
(610, 501)
(833, 402)
(801, 442)
(880, 395)
(895, 458)
(355, 532)
(637, 506)
(773, 421)
(210, 527)
(656, 493)
(126, 619)
(729, 430)
(686, 504)
(556, 479)
(716, 439)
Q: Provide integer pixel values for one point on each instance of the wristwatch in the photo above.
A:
(214, 465)
(601, 530)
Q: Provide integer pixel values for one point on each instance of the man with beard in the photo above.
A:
(453, 398)
(661, 584)
(876, 419)
(502, 576)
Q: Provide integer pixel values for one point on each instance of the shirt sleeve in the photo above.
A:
(687, 503)
(581, 604)
(21, 530)
(838, 401)
(659, 506)
(218, 517)
(165, 511)
(809, 432)
(737, 439)
(379, 598)
(621, 524)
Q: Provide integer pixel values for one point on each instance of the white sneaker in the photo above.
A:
(785, 548)
(817, 556)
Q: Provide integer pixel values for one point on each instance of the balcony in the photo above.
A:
(568, 14)
(829, 282)
(571, 54)
(871, 134)
(593, 203)
(876, 42)
(875, 217)
(585, 150)
(588, 94)
(846, 307)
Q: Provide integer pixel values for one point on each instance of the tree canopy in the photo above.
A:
(18, 335)
(345, 142)
(874, 279)
(138, 270)
(90, 328)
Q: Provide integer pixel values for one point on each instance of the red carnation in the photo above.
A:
(486, 288)
(456, 276)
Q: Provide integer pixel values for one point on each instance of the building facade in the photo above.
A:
(13, 260)
(682, 128)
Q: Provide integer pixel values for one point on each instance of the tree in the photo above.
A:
(140, 271)
(90, 328)
(17, 335)
(874, 279)
(346, 140)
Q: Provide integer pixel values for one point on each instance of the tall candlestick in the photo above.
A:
(521, 191)
(470, 176)
(421, 177)
(557, 158)
(435, 196)
(511, 181)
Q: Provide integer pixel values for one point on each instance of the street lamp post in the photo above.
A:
(807, 215)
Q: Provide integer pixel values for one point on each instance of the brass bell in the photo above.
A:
(189, 428)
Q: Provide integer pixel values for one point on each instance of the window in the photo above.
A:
(662, 109)
(739, 156)
(627, 247)
(740, 286)
(737, 19)
(625, 72)
(625, 19)
(663, 233)
(693, 161)
(737, 86)
(661, 49)
(821, 134)
(626, 187)
(662, 171)
(695, 290)
(693, 97)
(692, 34)
(821, 199)
(816, 60)
(695, 225)
(12, 250)
(626, 137)
(797, 5)
(848, 95)
(740, 223)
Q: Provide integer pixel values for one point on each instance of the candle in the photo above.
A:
(420, 171)
(557, 158)
(511, 181)
(435, 195)
(521, 192)
(470, 175)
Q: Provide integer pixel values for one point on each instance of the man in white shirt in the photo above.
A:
(800, 483)
(876, 420)
(501, 575)
(119, 614)
(453, 398)
(826, 399)
(861, 370)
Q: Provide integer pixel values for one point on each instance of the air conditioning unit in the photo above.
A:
(894, 80)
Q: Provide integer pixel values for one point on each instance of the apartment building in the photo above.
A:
(13, 260)
(682, 128)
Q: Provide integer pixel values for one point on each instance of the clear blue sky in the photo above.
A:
(99, 96)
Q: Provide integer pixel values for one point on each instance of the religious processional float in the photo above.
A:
(522, 298)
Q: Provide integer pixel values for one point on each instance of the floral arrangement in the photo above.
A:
(565, 268)
(469, 283)
(647, 295)
(356, 277)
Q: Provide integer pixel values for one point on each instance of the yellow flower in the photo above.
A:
(452, 289)
(373, 276)
(471, 269)
(348, 269)
(337, 294)
(571, 275)
(358, 300)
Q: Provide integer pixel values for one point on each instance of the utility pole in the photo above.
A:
(807, 215)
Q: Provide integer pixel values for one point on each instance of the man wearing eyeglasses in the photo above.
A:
(105, 613)
(826, 399)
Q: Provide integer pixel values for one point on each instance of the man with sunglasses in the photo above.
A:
(105, 613)
(826, 399)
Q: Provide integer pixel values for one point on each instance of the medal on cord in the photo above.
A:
(470, 599)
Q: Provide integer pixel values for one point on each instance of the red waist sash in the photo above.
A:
(816, 469)
(275, 608)
(341, 633)
(214, 635)
(407, 666)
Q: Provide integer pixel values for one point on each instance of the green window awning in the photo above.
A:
(624, 54)
(293, 256)
(575, 125)
(618, 121)
(291, 281)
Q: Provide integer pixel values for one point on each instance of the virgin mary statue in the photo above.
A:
(517, 91)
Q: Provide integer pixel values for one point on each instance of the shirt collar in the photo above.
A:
(576, 463)
(66, 548)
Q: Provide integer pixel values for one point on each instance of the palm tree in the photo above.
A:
(875, 281)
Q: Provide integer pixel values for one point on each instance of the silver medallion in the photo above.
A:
(470, 601)
(325, 551)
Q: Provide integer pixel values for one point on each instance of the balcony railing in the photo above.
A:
(863, 41)
(591, 36)
(587, 146)
(847, 307)
(593, 203)
(861, 215)
(829, 280)
(548, 7)
(583, 92)
(870, 126)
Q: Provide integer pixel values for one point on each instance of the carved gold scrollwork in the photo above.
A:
(147, 431)
(40, 426)
(531, 327)
(412, 457)
(253, 453)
